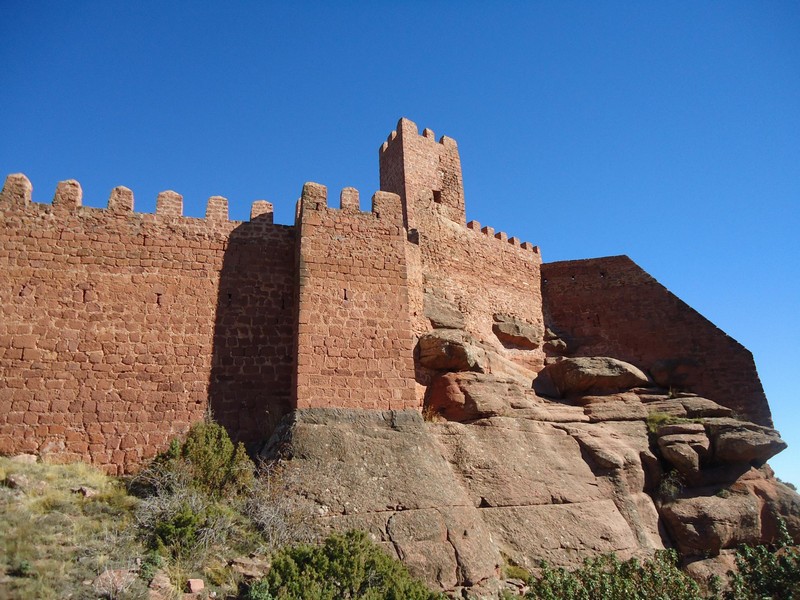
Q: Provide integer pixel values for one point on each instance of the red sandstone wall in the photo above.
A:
(611, 307)
(354, 337)
(480, 271)
(119, 329)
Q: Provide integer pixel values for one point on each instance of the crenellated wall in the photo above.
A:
(354, 337)
(478, 270)
(120, 329)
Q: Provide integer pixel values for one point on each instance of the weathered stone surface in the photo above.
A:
(442, 313)
(613, 407)
(469, 396)
(703, 407)
(684, 445)
(450, 350)
(160, 587)
(194, 586)
(708, 523)
(250, 567)
(580, 375)
(518, 333)
(510, 462)
(742, 442)
(561, 534)
(367, 461)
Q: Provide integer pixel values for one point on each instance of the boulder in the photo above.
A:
(518, 333)
(442, 313)
(453, 350)
(450, 350)
(469, 396)
(596, 373)
(705, 524)
(743, 442)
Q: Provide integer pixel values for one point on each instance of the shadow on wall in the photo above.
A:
(251, 370)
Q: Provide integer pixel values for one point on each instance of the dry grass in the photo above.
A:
(56, 540)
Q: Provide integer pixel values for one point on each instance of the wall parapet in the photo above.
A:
(17, 192)
(501, 236)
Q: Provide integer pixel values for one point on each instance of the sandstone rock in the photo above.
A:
(160, 587)
(581, 375)
(684, 445)
(555, 343)
(450, 350)
(442, 313)
(194, 586)
(509, 462)
(703, 407)
(454, 350)
(742, 442)
(561, 534)
(250, 567)
(432, 561)
(85, 491)
(707, 524)
(357, 461)
(613, 407)
(27, 459)
(469, 396)
(518, 333)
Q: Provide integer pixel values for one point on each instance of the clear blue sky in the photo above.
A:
(666, 131)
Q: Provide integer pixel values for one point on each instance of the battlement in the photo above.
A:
(426, 174)
(407, 128)
(18, 192)
(489, 232)
(385, 205)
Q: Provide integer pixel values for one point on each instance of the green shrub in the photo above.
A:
(765, 573)
(606, 577)
(214, 464)
(345, 566)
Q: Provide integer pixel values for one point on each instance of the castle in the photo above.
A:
(120, 329)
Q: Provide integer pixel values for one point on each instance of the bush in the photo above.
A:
(765, 573)
(609, 578)
(214, 465)
(345, 566)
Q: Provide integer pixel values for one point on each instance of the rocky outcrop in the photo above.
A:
(502, 473)
(517, 333)
(588, 374)
(442, 313)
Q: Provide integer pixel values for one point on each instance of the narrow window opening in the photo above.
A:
(345, 293)
(230, 298)
(437, 196)
(158, 299)
(84, 295)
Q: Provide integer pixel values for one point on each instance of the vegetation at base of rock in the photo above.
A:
(767, 573)
(344, 566)
(609, 578)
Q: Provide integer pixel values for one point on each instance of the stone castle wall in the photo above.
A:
(118, 330)
(612, 307)
(354, 345)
